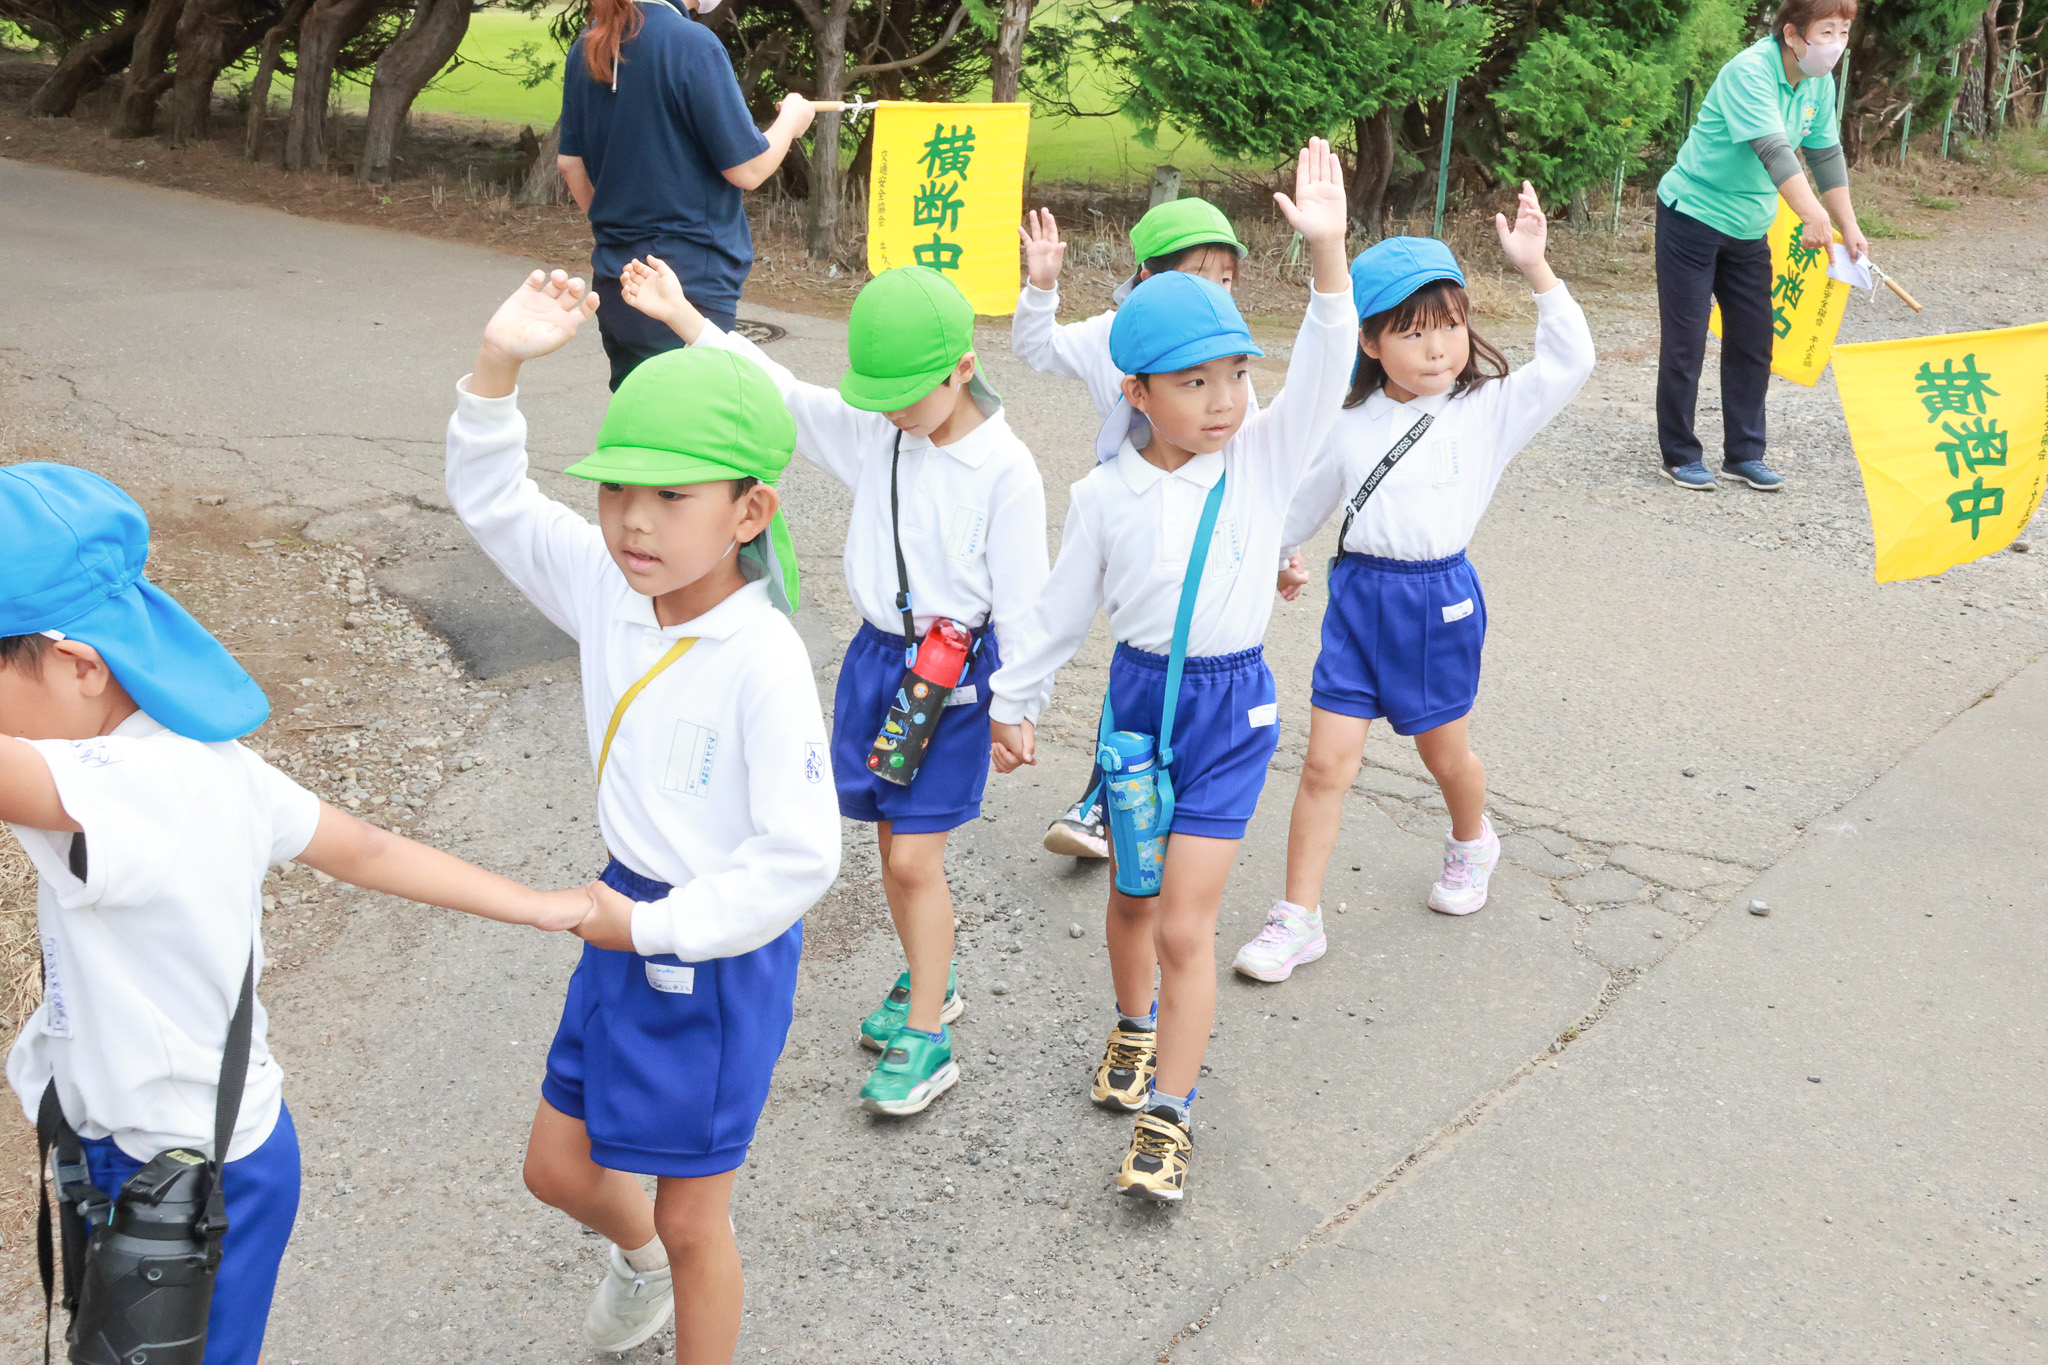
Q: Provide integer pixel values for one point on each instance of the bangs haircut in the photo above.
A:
(1173, 260)
(1440, 303)
(1804, 14)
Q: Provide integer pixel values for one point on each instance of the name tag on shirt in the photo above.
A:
(964, 536)
(1448, 469)
(670, 979)
(1459, 611)
(1261, 716)
(57, 1018)
(692, 755)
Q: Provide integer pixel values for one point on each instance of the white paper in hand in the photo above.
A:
(1841, 267)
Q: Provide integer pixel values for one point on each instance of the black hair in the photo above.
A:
(742, 486)
(24, 652)
(1436, 304)
(1173, 260)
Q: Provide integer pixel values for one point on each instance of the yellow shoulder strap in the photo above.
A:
(675, 651)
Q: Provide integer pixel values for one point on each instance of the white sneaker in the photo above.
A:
(1289, 939)
(1462, 887)
(629, 1307)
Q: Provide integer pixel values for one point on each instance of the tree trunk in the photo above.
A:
(266, 67)
(1994, 57)
(85, 68)
(1375, 136)
(1007, 68)
(327, 27)
(146, 80)
(204, 32)
(403, 69)
(825, 169)
(544, 183)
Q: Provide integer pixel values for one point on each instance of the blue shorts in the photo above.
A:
(1225, 729)
(946, 793)
(1401, 639)
(666, 1062)
(263, 1202)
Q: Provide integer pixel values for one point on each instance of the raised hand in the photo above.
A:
(649, 285)
(1523, 244)
(1044, 252)
(1316, 209)
(540, 317)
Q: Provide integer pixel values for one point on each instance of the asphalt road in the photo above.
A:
(1689, 700)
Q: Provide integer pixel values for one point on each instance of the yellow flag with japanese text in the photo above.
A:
(1806, 306)
(947, 191)
(1952, 435)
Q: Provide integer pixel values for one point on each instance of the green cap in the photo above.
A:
(697, 416)
(908, 329)
(1179, 224)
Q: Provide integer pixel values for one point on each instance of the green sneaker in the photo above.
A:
(894, 1012)
(913, 1072)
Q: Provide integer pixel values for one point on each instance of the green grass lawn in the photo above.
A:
(485, 85)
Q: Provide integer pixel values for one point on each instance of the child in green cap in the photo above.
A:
(712, 795)
(947, 533)
(1188, 235)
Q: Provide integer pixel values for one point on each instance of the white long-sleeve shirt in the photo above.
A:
(719, 780)
(1428, 505)
(972, 513)
(1073, 350)
(1131, 527)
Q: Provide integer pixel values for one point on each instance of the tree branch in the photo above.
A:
(946, 38)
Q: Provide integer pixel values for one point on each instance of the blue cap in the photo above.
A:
(1175, 321)
(72, 547)
(1391, 269)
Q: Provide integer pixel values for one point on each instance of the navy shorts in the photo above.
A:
(1401, 639)
(263, 1203)
(946, 793)
(667, 1062)
(1225, 729)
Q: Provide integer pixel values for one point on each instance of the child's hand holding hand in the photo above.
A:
(652, 287)
(1317, 211)
(1293, 578)
(610, 921)
(539, 318)
(1012, 745)
(554, 911)
(1044, 252)
(1523, 243)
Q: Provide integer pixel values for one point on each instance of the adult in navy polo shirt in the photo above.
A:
(657, 146)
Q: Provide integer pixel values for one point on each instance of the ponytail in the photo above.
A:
(613, 23)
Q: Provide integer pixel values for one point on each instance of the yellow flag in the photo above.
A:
(947, 191)
(1806, 306)
(1952, 435)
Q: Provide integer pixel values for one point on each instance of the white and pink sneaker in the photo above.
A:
(1291, 937)
(1467, 869)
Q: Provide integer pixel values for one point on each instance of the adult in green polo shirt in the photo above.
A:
(1714, 211)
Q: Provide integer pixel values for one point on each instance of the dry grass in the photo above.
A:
(21, 976)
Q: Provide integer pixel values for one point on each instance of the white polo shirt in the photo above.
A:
(1131, 527)
(1429, 504)
(719, 781)
(143, 960)
(973, 512)
(1074, 350)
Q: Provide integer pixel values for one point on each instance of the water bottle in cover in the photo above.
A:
(920, 699)
(1131, 773)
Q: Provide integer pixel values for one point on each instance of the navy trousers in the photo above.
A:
(630, 336)
(1696, 265)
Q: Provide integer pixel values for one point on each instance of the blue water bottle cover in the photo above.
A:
(1190, 588)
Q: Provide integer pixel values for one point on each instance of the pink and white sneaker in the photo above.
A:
(1462, 887)
(1291, 937)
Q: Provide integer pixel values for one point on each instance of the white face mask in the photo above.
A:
(706, 6)
(1817, 60)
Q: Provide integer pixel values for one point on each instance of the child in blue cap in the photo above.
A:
(151, 831)
(714, 797)
(1187, 452)
(1432, 419)
(1189, 235)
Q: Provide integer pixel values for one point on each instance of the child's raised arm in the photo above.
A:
(651, 286)
(1044, 252)
(539, 318)
(361, 854)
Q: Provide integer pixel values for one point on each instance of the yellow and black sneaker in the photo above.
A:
(1124, 1077)
(1156, 1167)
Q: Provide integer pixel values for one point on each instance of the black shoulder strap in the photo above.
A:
(1372, 480)
(234, 1073)
(902, 569)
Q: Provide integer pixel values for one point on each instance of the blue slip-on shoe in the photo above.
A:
(1755, 473)
(1693, 476)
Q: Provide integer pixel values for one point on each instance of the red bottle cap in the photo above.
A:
(942, 658)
